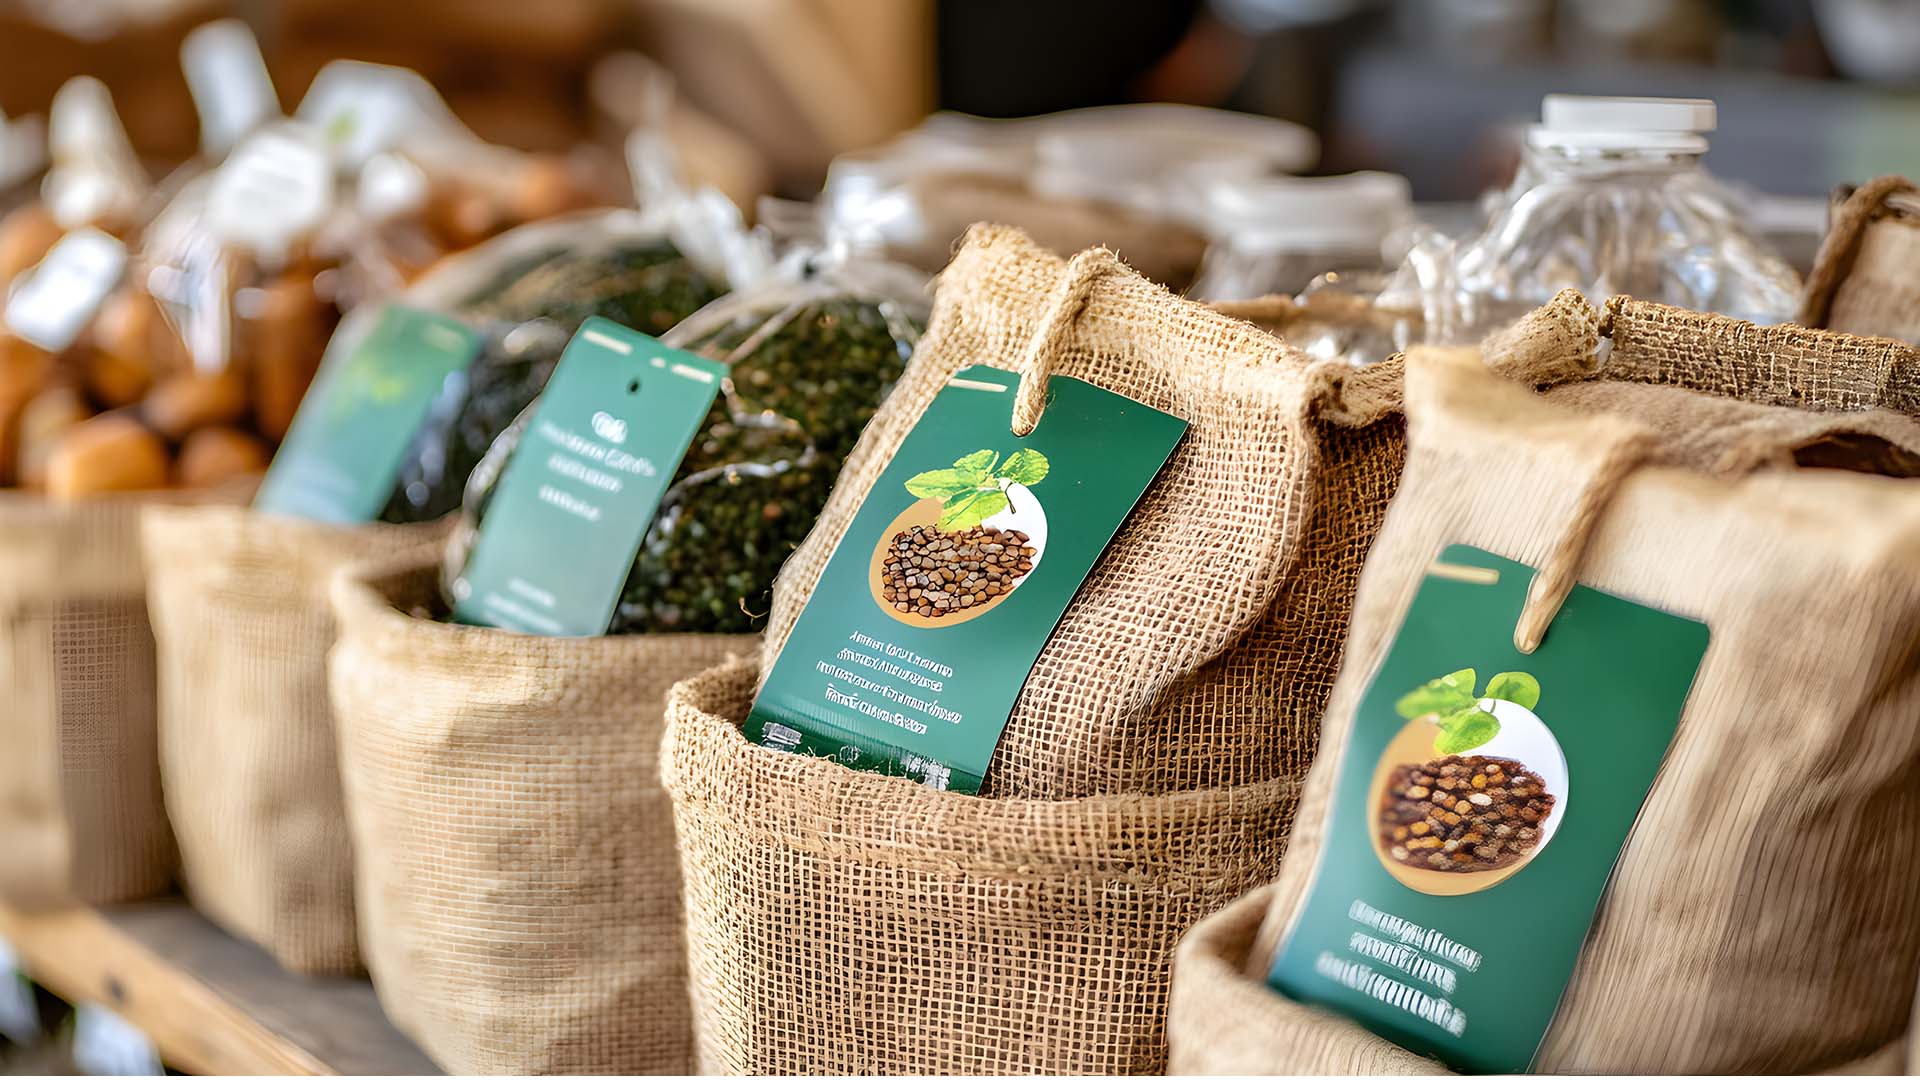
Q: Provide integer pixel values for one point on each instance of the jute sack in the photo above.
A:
(1200, 650)
(247, 757)
(1866, 279)
(840, 921)
(80, 808)
(1764, 916)
(843, 922)
(518, 891)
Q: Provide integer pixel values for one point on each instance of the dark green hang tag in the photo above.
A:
(1482, 801)
(956, 570)
(576, 498)
(343, 451)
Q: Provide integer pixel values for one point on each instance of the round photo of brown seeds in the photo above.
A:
(1471, 789)
(975, 534)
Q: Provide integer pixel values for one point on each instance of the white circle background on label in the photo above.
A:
(1524, 738)
(1023, 512)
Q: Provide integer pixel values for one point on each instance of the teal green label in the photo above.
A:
(576, 498)
(343, 451)
(953, 575)
(1481, 804)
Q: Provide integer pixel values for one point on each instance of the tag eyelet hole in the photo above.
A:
(633, 386)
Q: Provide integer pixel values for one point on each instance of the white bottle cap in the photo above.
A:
(1353, 212)
(1573, 121)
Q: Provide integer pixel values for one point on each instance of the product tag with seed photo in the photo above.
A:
(953, 575)
(575, 500)
(1481, 803)
(56, 300)
(344, 449)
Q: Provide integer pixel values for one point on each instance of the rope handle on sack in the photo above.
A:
(1556, 577)
(1835, 259)
(1064, 304)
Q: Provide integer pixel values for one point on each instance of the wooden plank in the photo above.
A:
(211, 1003)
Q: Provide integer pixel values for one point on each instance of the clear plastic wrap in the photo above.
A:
(1272, 235)
(814, 347)
(1610, 198)
(1123, 176)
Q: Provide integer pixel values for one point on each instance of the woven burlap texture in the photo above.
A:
(80, 809)
(845, 922)
(841, 921)
(1866, 278)
(1201, 648)
(518, 891)
(1772, 860)
(241, 618)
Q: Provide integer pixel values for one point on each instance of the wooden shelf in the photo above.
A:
(212, 1004)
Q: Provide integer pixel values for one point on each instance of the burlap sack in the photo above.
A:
(1764, 916)
(1199, 651)
(518, 891)
(247, 757)
(80, 808)
(1866, 278)
(844, 922)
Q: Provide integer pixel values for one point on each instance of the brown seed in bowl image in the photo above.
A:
(935, 574)
(1462, 814)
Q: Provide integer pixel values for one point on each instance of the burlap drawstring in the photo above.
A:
(1050, 337)
(1556, 576)
(1835, 260)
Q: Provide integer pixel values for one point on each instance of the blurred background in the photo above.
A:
(846, 106)
(1811, 92)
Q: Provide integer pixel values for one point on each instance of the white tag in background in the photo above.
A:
(364, 109)
(54, 301)
(276, 187)
(19, 1010)
(228, 78)
(106, 1045)
(95, 175)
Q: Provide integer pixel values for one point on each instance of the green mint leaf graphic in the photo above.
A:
(1027, 467)
(980, 461)
(1463, 730)
(944, 484)
(1445, 695)
(971, 510)
(1516, 686)
(973, 490)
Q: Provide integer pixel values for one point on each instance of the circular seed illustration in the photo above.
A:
(1471, 789)
(974, 535)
